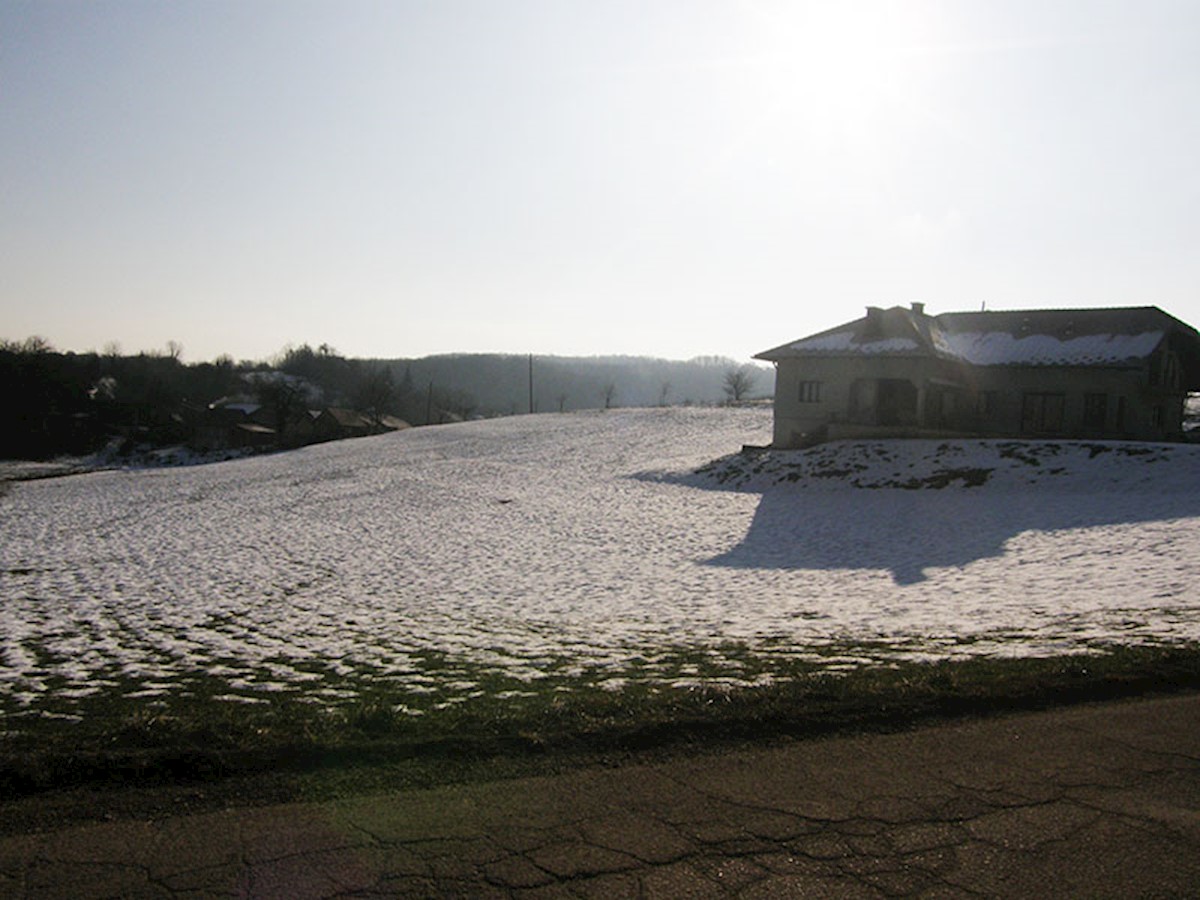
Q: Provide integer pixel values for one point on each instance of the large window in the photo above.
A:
(810, 392)
(1042, 413)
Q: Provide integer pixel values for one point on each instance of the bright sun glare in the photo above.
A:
(840, 68)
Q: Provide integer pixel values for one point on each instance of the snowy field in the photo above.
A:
(587, 546)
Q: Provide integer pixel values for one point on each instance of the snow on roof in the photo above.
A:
(244, 408)
(1090, 337)
(999, 348)
(845, 342)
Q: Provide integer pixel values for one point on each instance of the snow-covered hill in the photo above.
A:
(584, 543)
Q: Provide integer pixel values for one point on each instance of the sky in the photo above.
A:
(669, 178)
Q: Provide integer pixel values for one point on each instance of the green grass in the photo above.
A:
(190, 735)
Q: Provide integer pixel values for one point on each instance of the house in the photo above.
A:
(387, 422)
(899, 372)
(335, 423)
(230, 422)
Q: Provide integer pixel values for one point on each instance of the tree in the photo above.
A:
(738, 383)
(459, 402)
(376, 393)
(32, 346)
(283, 397)
(610, 391)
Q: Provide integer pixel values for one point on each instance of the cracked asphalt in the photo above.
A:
(1100, 800)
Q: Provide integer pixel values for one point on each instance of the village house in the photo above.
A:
(1120, 373)
(231, 422)
(236, 422)
(335, 423)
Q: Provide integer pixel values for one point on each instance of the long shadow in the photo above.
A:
(906, 532)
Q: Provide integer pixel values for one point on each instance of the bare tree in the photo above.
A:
(562, 401)
(610, 391)
(663, 392)
(738, 383)
(283, 398)
(33, 345)
(376, 393)
(458, 402)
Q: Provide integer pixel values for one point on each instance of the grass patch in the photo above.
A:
(201, 734)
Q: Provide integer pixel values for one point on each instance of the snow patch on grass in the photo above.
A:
(557, 547)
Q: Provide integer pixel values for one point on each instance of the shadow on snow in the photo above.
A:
(907, 532)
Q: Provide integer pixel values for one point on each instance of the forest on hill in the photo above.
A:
(500, 384)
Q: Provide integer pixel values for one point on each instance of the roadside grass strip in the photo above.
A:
(204, 728)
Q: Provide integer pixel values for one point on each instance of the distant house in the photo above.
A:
(1085, 373)
(387, 422)
(299, 428)
(231, 422)
(335, 423)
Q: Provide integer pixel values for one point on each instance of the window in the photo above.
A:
(1042, 413)
(810, 392)
(1095, 411)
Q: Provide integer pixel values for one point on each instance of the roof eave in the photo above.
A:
(849, 354)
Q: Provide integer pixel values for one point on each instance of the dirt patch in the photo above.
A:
(943, 479)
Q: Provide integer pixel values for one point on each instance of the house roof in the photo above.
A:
(1052, 337)
(243, 405)
(393, 423)
(347, 418)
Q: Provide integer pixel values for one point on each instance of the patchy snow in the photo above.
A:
(246, 409)
(998, 348)
(589, 543)
(848, 342)
(143, 456)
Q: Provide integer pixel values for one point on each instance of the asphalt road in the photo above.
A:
(1100, 800)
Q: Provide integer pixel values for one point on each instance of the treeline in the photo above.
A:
(500, 384)
(57, 403)
(54, 403)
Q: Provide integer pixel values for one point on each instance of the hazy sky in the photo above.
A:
(582, 177)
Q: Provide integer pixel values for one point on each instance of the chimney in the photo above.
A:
(918, 308)
(874, 313)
